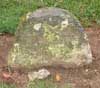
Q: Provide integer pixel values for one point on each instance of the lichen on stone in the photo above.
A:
(64, 24)
(37, 26)
(48, 32)
(49, 35)
(59, 50)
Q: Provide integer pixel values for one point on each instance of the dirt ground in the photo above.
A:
(87, 76)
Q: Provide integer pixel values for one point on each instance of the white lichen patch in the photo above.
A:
(50, 19)
(64, 23)
(75, 42)
(85, 36)
(16, 44)
(15, 50)
(87, 52)
(13, 57)
(16, 47)
(37, 26)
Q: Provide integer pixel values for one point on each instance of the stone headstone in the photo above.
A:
(50, 36)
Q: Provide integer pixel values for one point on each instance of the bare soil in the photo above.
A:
(87, 76)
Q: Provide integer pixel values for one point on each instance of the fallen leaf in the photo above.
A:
(6, 75)
(58, 77)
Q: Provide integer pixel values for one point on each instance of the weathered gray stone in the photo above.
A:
(40, 74)
(50, 36)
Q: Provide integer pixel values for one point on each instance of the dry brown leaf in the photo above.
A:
(58, 77)
(6, 75)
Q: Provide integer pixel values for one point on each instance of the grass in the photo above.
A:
(3, 85)
(47, 84)
(12, 10)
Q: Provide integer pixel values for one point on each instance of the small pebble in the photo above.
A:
(86, 70)
(40, 74)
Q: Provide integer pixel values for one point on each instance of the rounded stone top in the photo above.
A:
(51, 11)
(50, 36)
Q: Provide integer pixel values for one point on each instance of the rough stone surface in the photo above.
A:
(50, 36)
(40, 74)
